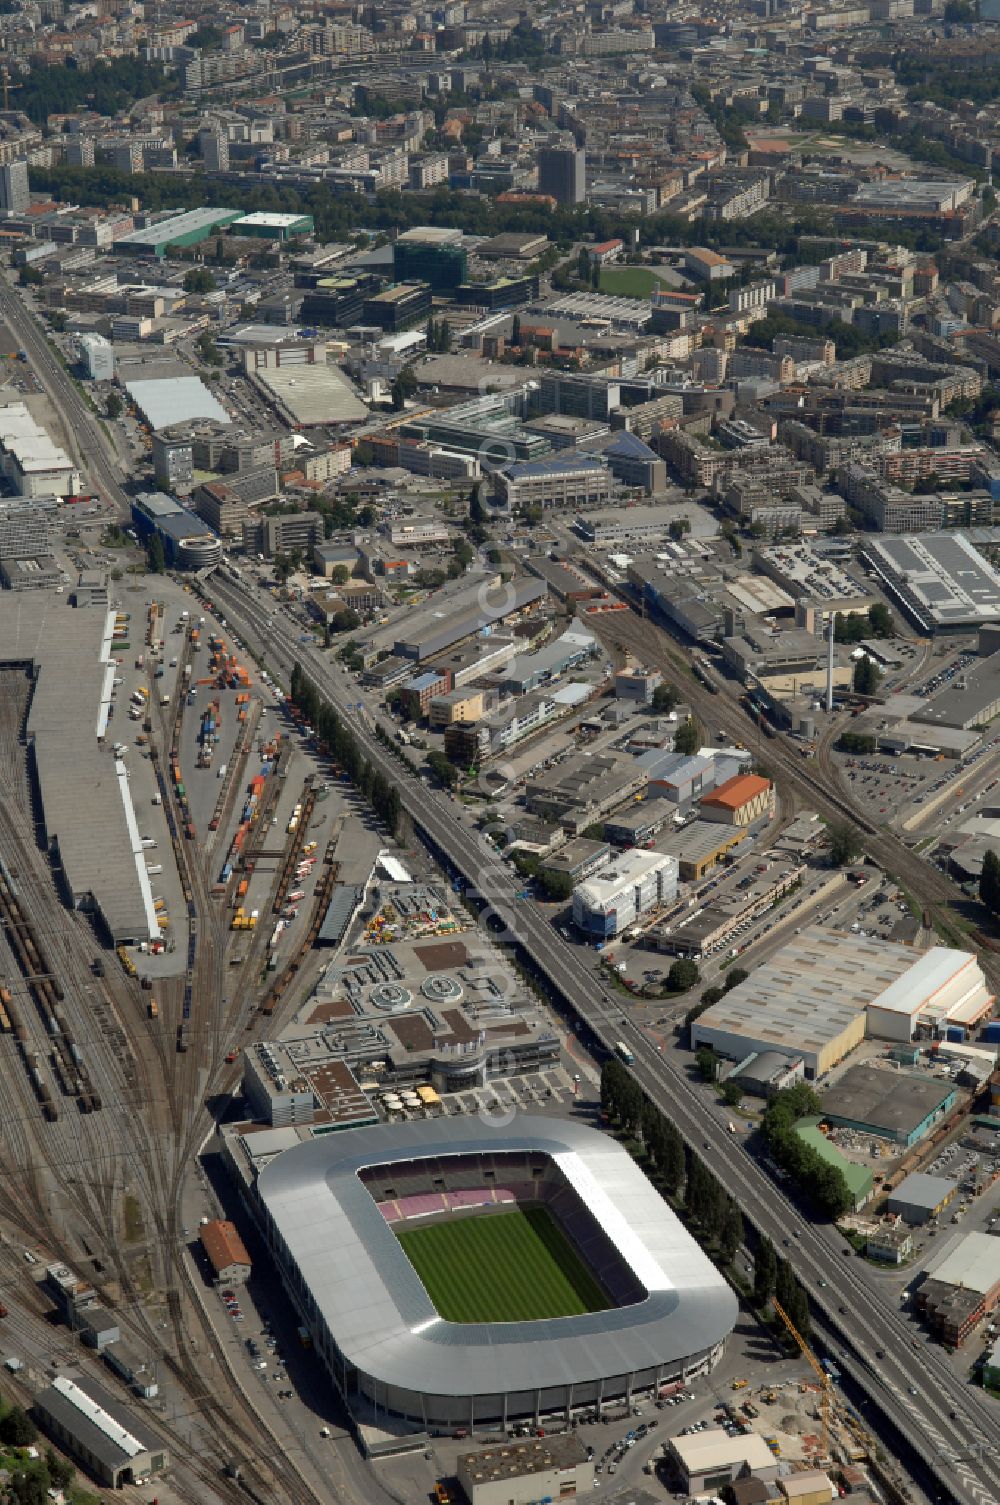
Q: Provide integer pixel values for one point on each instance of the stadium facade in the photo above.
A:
(327, 1207)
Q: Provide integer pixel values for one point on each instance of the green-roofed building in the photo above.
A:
(858, 1177)
(186, 229)
(263, 225)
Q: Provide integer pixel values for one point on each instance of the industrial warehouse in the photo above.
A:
(65, 654)
(894, 1105)
(939, 579)
(824, 991)
(333, 1210)
(437, 627)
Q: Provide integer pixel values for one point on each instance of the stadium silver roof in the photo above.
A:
(385, 1324)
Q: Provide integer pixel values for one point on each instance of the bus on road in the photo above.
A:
(623, 1053)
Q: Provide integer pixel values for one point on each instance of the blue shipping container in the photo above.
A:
(955, 1033)
(991, 1034)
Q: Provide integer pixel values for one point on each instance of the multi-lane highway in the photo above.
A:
(949, 1424)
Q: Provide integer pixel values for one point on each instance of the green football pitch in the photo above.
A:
(506, 1267)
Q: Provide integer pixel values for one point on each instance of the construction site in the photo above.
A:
(809, 1426)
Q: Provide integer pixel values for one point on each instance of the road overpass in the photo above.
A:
(948, 1423)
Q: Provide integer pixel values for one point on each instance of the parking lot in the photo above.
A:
(944, 676)
(614, 1454)
(885, 785)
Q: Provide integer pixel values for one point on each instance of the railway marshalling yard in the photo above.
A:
(123, 1012)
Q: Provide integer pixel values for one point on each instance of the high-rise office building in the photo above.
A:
(562, 173)
(214, 147)
(80, 151)
(15, 196)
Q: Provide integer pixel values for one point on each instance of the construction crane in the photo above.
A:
(826, 1384)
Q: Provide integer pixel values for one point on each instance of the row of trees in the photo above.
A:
(337, 216)
(438, 336)
(156, 559)
(702, 1202)
(345, 750)
(824, 1183)
(732, 979)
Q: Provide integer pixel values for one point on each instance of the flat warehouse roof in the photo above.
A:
(918, 989)
(166, 230)
(919, 1189)
(894, 1101)
(313, 395)
(713, 1448)
(176, 400)
(86, 802)
(813, 989)
(700, 839)
(972, 694)
(972, 1263)
(269, 220)
(944, 578)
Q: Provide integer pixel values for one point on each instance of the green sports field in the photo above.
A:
(506, 1267)
(631, 282)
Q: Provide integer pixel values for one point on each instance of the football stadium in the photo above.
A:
(460, 1274)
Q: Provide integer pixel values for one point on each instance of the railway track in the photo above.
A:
(210, 1020)
(65, 1180)
(647, 641)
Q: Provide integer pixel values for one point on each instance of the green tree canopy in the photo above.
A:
(708, 1063)
(442, 768)
(155, 558)
(989, 882)
(765, 1272)
(683, 974)
(198, 280)
(867, 676)
(556, 885)
(687, 738)
(845, 842)
(665, 698)
(17, 1429)
(823, 1182)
